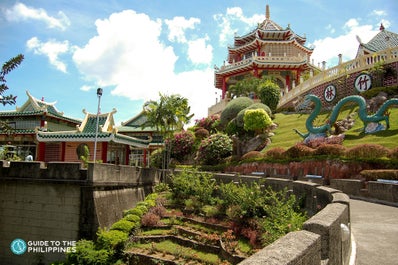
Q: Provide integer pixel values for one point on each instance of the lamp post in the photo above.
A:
(99, 94)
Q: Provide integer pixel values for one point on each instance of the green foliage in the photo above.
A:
(282, 216)
(233, 108)
(245, 87)
(112, 239)
(367, 151)
(256, 120)
(373, 175)
(390, 91)
(192, 183)
(269, 93)
(157, 157)
(239, 117)
(168, 114)
(87, 254)
(132, 218)
(214, 149)
(85, 154)
(6, 69)
(134, 211)
(123, 225)
(182, 144)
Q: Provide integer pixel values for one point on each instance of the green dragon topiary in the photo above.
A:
(380, 114)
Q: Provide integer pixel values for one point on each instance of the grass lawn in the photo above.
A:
(285, 136)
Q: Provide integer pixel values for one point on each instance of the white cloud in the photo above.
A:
(346, 44)
(232, 20)
(140, 68)
(379, 12)
(22, 12)
(51, 49)
(199, 52)
(177, 27)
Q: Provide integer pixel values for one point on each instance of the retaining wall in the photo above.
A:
(61, 201)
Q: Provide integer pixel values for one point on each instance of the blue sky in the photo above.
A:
(135, 49)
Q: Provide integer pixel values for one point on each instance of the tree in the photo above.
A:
(8, 99)
(245, 87)
(269, 93)
(167, 115)
(6, 69)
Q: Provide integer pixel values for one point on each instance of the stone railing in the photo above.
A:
(359, 64)
(325, 238)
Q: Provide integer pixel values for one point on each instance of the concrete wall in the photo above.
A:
(383, 192)
(60, 201)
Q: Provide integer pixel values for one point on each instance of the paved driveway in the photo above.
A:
(375, 230)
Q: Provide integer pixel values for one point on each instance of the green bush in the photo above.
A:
(192, 183)
(134, 211)
(157, 158)
(214, 149)
(367, 151)
(239, 117)
(111, 240)
(123, 225)
(256, 120)
(232, 109)
(87, 254)
(132, 218)
(269, 94)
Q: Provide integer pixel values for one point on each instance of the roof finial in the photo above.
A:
(381, 27)
(267, 12)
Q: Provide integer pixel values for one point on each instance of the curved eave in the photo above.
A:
(90, 137)
(259, 63)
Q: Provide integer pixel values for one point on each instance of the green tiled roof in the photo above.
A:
(383, 40)
(92, 122)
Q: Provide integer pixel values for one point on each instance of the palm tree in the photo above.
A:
(167, 115)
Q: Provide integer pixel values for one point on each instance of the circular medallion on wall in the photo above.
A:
(363, 82)
(329, 94)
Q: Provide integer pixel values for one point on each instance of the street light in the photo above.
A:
(99, 94)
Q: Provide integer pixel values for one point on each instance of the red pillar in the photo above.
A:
(104, 151)
(63, 151)
(287, 80)
(41, 152)
(224, 88)
(144, 162)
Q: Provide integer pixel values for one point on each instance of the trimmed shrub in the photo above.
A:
(112, 239)
(201, 133)
(214, 149)
(275, 153)
(123, 225)
(394, 153)
(134, 211)
(330, 150)
(233, 108)
(299, 150)
(87, 254)
(132, 218)
(256, 120)
(372, 175)
(157, 158)
(269, 93)
(252, 155)
(367, 151)
(239, 117)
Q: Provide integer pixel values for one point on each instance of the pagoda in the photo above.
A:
(268, 50)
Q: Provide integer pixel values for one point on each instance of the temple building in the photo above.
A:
(268, 50)
(383, 40)
(23, 121)
(39, 131)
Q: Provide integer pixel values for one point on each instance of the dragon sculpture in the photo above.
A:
(379, 115)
